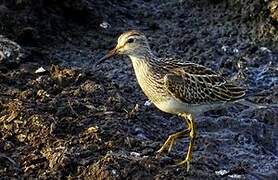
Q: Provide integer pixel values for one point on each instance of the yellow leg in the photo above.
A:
(171, 139)
(192, 135)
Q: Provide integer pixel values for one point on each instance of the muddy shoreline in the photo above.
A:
(75, 121)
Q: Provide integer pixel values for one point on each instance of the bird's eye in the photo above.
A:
(131, 40)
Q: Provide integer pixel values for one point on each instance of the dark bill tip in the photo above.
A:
(107, 56)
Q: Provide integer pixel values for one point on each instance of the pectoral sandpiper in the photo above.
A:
(181, 88)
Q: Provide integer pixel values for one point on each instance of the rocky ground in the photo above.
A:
(70, 120)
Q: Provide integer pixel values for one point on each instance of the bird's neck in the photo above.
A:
(149, 79)
(143, 59)
(140, 63)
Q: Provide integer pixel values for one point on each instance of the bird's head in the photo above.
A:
(131, 43)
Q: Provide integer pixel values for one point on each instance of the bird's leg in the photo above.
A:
(192, 134)
(171, 139)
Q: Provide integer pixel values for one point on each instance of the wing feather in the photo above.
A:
(192, 83)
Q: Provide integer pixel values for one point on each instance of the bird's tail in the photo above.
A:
(254, 105)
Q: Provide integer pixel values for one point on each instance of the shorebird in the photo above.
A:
(181, 88)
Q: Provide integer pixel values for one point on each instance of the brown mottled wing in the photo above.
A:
(197, 84)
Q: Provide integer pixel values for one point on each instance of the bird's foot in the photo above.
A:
(185, 163)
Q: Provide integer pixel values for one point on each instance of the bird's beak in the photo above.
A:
(110, 53)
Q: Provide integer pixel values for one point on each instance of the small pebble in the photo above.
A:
(147, 103)
(105, 25)
(221, 172)
(135, 154)
(40, 70)
(224, 48)
(265, 49)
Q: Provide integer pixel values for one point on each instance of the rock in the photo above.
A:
(10, 52)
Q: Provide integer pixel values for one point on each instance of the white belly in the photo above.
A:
(174, 106)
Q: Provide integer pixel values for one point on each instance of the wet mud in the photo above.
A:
(61, 117)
